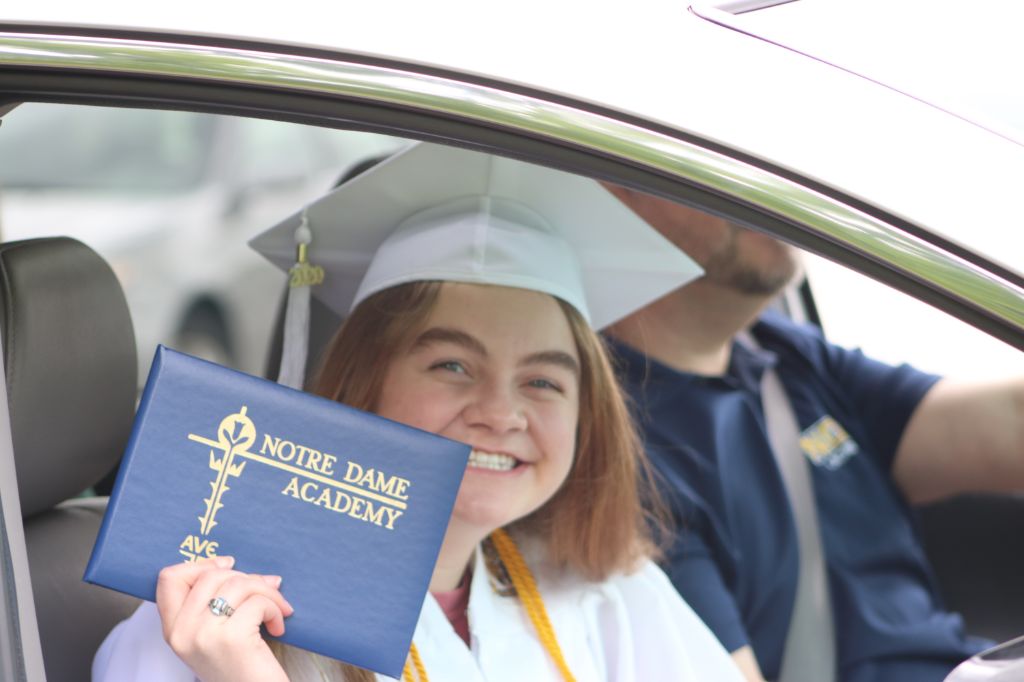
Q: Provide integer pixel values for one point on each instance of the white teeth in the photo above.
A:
(492, 460)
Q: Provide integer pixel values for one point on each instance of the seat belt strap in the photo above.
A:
(810, 650)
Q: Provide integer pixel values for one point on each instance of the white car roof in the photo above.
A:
(666, 63)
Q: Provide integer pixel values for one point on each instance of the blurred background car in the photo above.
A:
(170, 199)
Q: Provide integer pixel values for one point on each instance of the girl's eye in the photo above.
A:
(544, 384)
(450, 366)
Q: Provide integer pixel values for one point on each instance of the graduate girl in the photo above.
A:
(472, 287)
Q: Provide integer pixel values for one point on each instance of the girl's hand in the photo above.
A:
(222, 648)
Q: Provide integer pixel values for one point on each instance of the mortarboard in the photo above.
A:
(433, 212)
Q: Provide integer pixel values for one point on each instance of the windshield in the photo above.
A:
(961, 57)
(95, 149)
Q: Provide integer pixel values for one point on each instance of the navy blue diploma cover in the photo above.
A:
(350, 508)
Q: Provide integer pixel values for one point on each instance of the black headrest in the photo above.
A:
(69, 355)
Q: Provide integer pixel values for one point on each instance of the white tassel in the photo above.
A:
(301, 278)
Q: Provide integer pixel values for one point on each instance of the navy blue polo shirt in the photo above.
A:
(735, 554)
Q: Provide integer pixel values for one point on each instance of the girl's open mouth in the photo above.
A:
(495, 461)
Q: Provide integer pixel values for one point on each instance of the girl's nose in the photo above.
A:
(497, 409)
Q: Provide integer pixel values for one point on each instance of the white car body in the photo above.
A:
(783, 126)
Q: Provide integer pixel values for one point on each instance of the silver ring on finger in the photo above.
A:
(219, 606)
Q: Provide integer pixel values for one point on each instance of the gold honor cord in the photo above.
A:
(526, 588)
(417, 662)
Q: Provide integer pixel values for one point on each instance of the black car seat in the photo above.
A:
(69, 355)
(976, 546)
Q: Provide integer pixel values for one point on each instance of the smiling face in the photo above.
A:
(497, 368)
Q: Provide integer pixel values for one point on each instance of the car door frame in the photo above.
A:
(21, 655)
(429, 103)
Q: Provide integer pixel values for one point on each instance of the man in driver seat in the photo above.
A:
(874, 439)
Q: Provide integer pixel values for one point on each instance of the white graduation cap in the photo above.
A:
(434, 212)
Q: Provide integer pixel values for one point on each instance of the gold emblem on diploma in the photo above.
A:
(364, 494)
(235, 435)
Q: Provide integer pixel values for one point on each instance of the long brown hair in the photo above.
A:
(600, 520)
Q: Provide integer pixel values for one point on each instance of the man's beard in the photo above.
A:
(726, 268)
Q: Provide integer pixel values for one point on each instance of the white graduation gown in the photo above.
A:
(630, 628)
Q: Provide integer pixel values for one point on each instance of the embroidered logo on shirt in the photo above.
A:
(827, 444)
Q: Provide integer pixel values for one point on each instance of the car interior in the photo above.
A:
(970, 539)
(71, 371)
